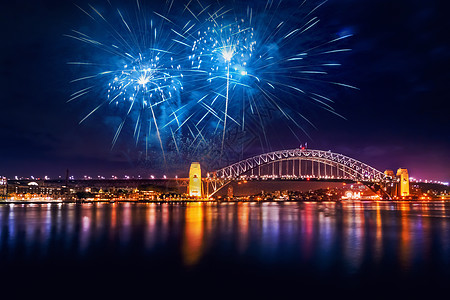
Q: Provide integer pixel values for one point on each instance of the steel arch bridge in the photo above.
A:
(297, 164)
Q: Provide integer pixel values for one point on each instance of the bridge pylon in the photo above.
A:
(195, 180)
(403, 185)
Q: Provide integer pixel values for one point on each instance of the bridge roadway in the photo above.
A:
(80, 184)
(135, 183)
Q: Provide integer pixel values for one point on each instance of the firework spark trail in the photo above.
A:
(242, 67)
(216, 47)
(138, 69)
(208, 70)
(226, 108)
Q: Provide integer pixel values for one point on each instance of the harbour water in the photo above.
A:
(236, 249)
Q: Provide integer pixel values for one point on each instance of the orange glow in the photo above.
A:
(405, 241)
(379, 234)
(151, 225)
(309, 227)
(243, 216)
(193, 236)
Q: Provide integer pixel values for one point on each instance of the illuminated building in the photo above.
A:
(195, 180)
(36, 190)
(3, 187)
(230, 191)
(403, 185)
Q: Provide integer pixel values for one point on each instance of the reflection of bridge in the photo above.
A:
(298, 164)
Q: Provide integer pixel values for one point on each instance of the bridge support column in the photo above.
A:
(403, 185)
(195, 180)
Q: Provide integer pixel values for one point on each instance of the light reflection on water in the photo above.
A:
(345, 238)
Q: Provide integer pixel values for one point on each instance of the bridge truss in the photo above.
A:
(296, 164)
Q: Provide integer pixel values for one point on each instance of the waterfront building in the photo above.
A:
(230, 192)
(29, 190)
(3, 187)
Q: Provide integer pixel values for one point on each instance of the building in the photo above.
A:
(230, 192)
(195, 180)
(403, 183)
(3, 187)
(33, 190)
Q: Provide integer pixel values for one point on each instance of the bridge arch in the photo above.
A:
(317, 164)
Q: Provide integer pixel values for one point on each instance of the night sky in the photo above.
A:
(399, 117)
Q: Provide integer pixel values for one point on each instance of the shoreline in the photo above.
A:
(218, 201)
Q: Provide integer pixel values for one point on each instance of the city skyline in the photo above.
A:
(398, 117)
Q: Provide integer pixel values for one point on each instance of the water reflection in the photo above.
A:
(347, 238)
(243, 212)
(378, 245)
(308, 231)
(405, 250)
(194, 230)
(151, 217)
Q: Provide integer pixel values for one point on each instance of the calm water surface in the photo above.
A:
(228, 249)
